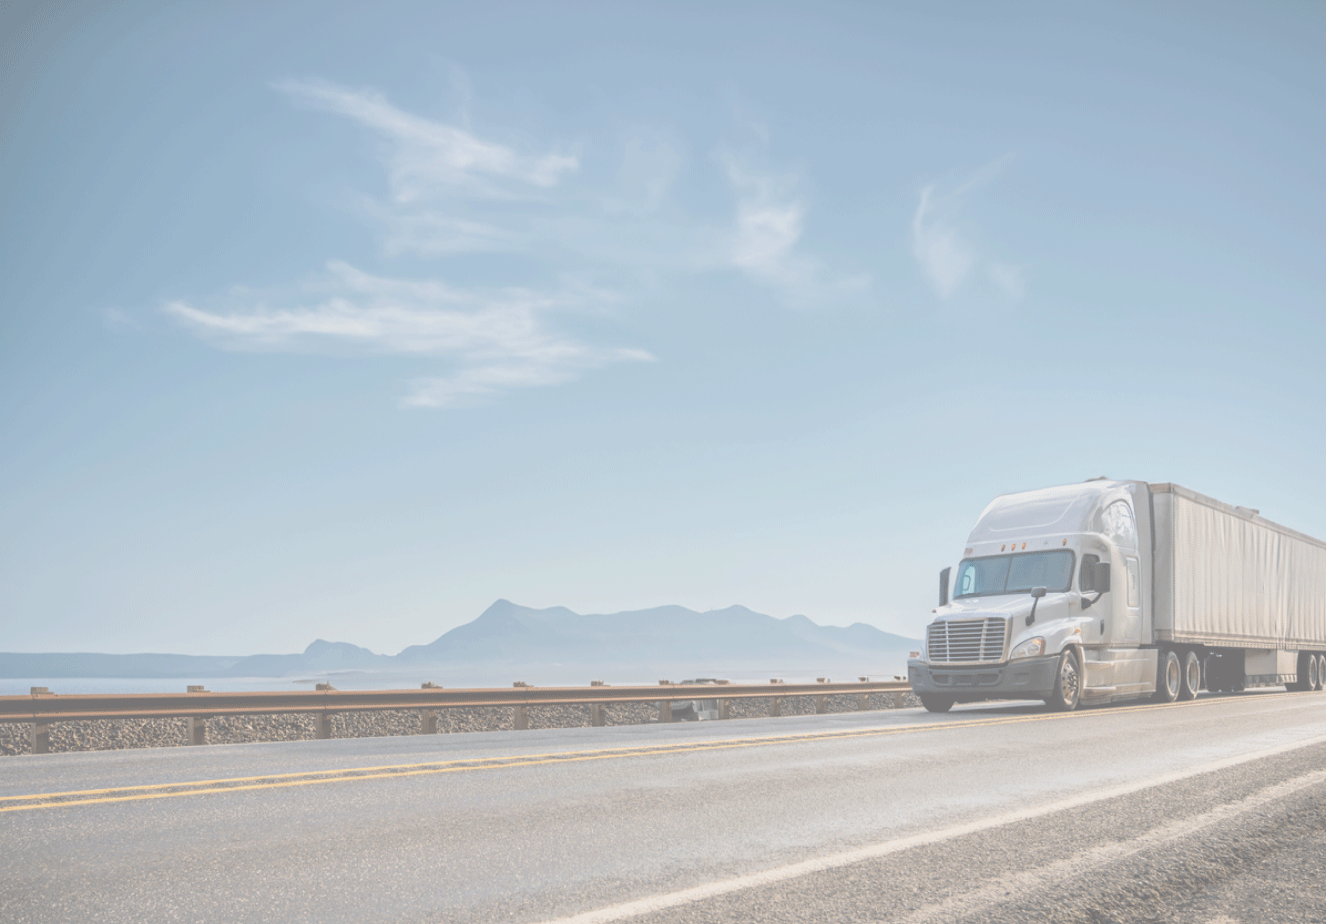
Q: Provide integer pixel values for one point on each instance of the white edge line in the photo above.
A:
(872, 851)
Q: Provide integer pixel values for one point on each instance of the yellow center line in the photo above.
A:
(315, 777)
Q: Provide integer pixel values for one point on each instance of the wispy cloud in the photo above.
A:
(941, 240)
(1008, 278)
(495, 340)
(431, 156)
(431, 233)
(614, 220)
(937, 244)
(769, 222)
(452, 193)
(764, 243)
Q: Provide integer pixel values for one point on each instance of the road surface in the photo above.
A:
(1209, 812)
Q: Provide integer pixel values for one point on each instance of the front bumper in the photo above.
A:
(1026, 678)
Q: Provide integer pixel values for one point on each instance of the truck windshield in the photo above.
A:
(1015, 574)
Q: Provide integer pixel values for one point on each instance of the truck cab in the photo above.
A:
(1049, 601)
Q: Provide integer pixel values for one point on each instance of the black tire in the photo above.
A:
(1314, 673)
(1192, 676)
(936, 703)
(1067, 690)
(1304, 682)
(1169, 676)
(1321, 671)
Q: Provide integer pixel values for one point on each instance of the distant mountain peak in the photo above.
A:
(507, 633)
(322, 647)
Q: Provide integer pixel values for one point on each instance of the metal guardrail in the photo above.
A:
(42, 708)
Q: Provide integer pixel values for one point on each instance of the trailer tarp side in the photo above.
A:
(1234, 578)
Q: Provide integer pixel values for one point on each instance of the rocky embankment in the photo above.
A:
(163, 733)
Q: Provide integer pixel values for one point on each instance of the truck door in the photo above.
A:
(1121, 529)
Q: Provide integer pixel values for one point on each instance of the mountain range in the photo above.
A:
(556, 640)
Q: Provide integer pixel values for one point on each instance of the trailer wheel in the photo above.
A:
(1067, 690)
(1192, 676)
(1303, 683)
(1169, 677)
(1321, 671)
(1314, 673)
(935, 703)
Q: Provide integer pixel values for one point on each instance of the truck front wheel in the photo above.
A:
(1169, 676)
(1067, 691)
(935, 703)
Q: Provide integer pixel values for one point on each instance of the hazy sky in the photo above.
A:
(337, 320)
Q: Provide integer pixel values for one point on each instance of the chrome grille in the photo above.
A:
(972, 640)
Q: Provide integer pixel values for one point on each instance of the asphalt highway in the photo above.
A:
(1210, 812)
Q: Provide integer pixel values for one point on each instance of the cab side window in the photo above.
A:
(1117, 523)
(1086, 579)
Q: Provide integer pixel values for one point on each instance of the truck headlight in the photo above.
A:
(1031, 648)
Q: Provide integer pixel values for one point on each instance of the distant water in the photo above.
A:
(472, 678)
(454, 677)
(70, 685)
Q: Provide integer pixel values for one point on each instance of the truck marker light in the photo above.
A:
(1024, 546)
(1065, 542)
(1001, 548)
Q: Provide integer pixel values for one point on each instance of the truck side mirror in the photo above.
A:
(1036, 594)
(943, 587)
(1101, 579)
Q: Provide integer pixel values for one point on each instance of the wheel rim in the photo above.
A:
(1068, 681)
(1172, 675)
(1194, 674)
(1313, 673)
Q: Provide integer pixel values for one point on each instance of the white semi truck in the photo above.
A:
(1113, 590)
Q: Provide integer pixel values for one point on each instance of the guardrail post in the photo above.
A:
(41, 728)
(520, 714)
(665, 705)
(322, 720)
(822, 700)
(196, 729)
(597, 715)
(428, 717)
(197, 724)
(41, 737)
(724, 709)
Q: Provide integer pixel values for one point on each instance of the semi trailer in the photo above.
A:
(1115, 590)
